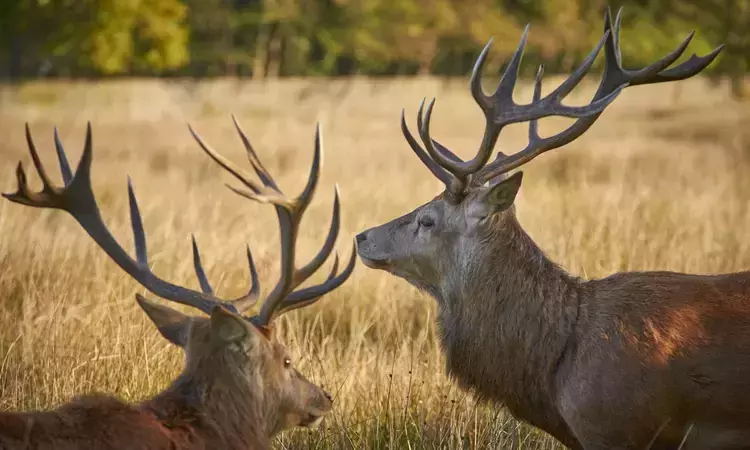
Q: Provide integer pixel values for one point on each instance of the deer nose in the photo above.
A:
(328, 396)
(361, 237)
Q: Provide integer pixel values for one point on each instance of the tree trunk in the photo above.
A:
(15, 66)
(273, 53)
(676, 93)
(427, 55)
(261, 52)
(738, 87)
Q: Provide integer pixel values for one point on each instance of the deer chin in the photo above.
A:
(313, 421)
(385, 265)
(382, 264)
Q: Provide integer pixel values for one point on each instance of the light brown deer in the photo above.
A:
(600, 364)
(238, 388)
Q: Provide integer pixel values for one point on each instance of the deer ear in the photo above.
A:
(227, 327)
(502, 194)
(172, 324)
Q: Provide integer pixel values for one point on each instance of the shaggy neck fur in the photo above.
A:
(224, 412)
(508, 293)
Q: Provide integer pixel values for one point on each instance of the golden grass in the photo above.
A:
(658, 183)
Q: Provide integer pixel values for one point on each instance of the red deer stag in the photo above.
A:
(238, 388)
(600, 364)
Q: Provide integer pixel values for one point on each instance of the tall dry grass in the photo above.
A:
(660, 182)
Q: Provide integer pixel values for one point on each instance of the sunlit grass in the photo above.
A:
(658, 183)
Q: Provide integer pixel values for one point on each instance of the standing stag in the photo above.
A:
(624, 362)
(238, 388)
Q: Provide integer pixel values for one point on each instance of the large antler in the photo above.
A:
(500, 110)
(289, 212)
(77, 198)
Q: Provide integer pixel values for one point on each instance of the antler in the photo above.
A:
(77, 198)
(500, 110)
(289, 212)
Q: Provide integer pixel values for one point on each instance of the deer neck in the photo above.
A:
(222, 412)
(506, 318)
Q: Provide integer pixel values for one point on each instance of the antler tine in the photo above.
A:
(77, 198)
(263, 174)
(440, 173)
(286, 307)
(67, 174)
(199, 272)
(243, 304)
(259, 193)
(455, 181)
(136, 224)
(567, 86)
(301, 275)
(46, 183)
(475, 83)
(289, 221)
(507, 83)
(657, 71)
(22, 194)
(307, 194)
(614, 80)
(310, 295)
(436, 146)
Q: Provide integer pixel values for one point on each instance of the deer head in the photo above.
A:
(234, 357)
(441, 240)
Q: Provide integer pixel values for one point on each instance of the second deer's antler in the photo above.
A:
(500, 110)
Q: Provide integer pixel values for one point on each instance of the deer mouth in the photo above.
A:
(375, 263)
(313, 420)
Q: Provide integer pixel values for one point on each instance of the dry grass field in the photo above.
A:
(662, 181)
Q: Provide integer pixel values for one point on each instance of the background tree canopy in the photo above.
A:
(272, 38)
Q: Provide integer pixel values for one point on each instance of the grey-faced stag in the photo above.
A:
(612, 363)
(239, 387)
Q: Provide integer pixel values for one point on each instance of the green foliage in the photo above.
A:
(100, 36)
(267, 38)
(135, 35)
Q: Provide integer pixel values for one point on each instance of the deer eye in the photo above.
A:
(426, 222)
(287, 363)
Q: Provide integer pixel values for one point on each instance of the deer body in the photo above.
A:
(562, 353)
(221, 400)
(237, 391)
(91, 422)
(632, 361)
(168, 422)
(238, 388)
(660, 349)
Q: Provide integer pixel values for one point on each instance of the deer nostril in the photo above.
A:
(328, 396)
(361, 237)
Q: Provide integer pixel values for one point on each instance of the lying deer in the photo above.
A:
(600, 364)
(238, 388)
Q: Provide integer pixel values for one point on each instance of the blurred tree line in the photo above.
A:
(274, 38)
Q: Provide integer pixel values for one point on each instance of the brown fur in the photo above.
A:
(600, 364)
(235, 393)
(238, 388)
